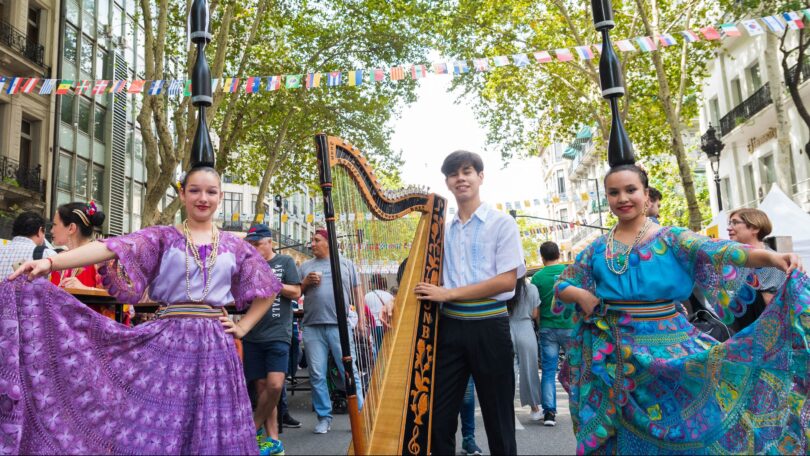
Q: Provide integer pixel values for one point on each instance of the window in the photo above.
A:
(84, 115)
(736, 92)
(118, 22)
(564, 215)
(86, 58)
(714, 111)
(90, 7)
(72, 14)
(101, 56)
(98, 128)
(103, 13)
(3, 10)
(26, 145)
(80, 187)
(67, 109)
(726, 191)
(754, 78)
(561, 182)
(32, 32)
(748, 175)
(137, 200)
(63, 179)
(767, 174)
(232, 204)
(98, 184)
(71, 35)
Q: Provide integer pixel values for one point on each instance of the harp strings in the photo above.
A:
(376, 248)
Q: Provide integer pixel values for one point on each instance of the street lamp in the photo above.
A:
(277, 201)
(712, 145)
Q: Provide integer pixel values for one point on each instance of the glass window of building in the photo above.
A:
(748, 175)
(80, 187)
(26, 145)
(736, 92)
(103, 14)
(3, 10)
(561, 182)
(754, 78)
(67, 109)
(70, 51)
(232, 204)
(32, 32)
(98, 184)
(118, 22)
(84, 115)
(98, 127)
(101, 56)
(63, 177)
(86, 58)
(767, 173)
(72, 12)
(714, 111)
(726, 192)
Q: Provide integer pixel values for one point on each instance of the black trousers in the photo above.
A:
(483, 349)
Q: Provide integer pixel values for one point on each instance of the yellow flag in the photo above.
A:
(260, 218)
(235, 217)
(527, 203)
(284, 218)
(310, 218)
(499, 206)
(585, 196)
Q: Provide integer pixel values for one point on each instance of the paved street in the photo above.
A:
(532, 436)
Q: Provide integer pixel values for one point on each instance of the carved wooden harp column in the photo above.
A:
(369, 226)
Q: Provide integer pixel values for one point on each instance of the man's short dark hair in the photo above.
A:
(460, 159)
(655, 195)
(549, 251)
(27, 224)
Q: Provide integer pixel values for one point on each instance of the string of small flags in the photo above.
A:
(793, 20)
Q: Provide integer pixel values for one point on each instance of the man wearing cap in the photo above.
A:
(320, 323)
(267, 345)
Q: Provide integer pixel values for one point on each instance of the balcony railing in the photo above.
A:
(17, 40)
(745, 110)
(30, 179)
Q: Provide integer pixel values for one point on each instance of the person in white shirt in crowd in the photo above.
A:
(27, 243)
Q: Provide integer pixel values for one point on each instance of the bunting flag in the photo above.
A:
(500, 60)
(187, 88)
(273, 83)
(156, 87)
(397, 73)
(460, 68)
(83, 87)
(100, 88)
(752, 27)
(794, 21)
(253, 85)
(355, 78)
(293, 81)
(333, 79)
(585, 52)
(625, 46)
(667, 40)
(418, 71)
(3, 80)
(598, 47)
(710, 33)
(214, 84)
(14, 85)
(29, 85)
(520, 60)
(690, 36)
(47, 86)
(729, 30)
(313, 80)
(542, 57)
(646, 44)
(63, 88)
(440, 68)
(231, 85)
(136, 86)
(563, 55)
(774, 24)
(481, 65)
(118, 86)
(378, 75)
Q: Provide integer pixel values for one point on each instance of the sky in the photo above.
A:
(433, 126)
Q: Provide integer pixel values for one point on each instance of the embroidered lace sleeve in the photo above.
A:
(579, 274)
(253, 278)
(718, 268)
(137, 263)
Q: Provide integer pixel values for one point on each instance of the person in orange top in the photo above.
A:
(73, 225)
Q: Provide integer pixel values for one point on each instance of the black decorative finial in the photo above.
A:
(202, 150)
(620, 149)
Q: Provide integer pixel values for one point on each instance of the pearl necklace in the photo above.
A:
(206, 264)
(623, 256)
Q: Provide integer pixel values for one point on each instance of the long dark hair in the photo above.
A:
(520, 289)
(85, 217)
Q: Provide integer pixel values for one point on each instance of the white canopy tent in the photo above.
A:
(787, 217)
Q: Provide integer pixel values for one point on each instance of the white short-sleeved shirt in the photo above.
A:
(488, 244)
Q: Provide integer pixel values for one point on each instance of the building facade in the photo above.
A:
(29, 31)
(738, 103)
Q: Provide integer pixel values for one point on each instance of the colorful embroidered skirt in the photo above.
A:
(659, 386)
(75, 382)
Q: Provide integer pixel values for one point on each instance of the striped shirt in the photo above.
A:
(19, 250)
(486, 245)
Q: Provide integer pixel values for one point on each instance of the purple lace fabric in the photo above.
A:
(73, 381)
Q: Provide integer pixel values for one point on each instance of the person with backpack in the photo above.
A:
(27, 243)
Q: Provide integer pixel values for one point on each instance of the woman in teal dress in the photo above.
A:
(645, 381)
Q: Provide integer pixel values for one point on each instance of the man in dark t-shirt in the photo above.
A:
(267, 345)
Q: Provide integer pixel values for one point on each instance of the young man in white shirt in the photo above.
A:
(483, 257)
(27, 243)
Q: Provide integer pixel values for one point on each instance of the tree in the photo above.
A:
(527, 108)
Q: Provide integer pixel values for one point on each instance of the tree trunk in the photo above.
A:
(777, 86)
(674, 122)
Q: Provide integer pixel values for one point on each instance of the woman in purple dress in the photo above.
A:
(73, 381)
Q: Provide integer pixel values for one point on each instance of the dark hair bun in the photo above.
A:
(97, 219)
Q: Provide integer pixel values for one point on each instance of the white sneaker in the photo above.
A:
(323, 426)
(536, 416)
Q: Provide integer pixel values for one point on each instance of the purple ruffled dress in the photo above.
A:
(73, 381)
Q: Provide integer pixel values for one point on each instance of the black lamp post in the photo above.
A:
(712, 145)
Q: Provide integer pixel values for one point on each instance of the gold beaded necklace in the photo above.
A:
(205, 264)
(622, 256)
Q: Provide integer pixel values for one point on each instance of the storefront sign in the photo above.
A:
(753, 143)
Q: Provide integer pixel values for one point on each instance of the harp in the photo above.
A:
(376, 229)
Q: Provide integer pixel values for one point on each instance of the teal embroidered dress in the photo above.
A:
(645, 381)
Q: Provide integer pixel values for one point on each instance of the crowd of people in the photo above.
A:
(640, 377)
